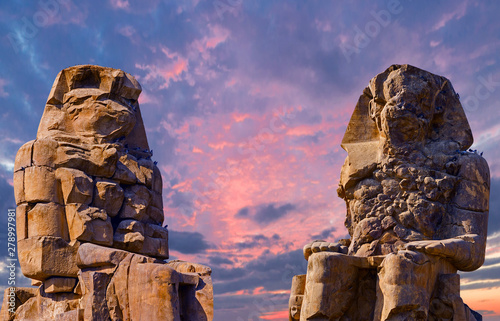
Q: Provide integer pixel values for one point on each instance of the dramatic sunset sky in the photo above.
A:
(245, 104)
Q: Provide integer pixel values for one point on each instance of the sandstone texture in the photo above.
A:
(417, 209)
(90, 212)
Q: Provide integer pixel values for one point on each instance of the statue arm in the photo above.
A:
(465, 252)
(465, 242)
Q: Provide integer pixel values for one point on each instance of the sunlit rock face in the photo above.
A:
(90, 212)
(417, 208)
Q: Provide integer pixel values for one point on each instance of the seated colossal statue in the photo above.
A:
(417, 209)
(90, 212)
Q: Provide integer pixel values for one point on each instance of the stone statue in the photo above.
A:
(417, 209)
(90, 213)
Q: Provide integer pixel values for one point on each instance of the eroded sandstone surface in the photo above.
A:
(417, 209)
(90, 212)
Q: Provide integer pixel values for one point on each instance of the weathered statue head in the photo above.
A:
(403, 113)
(96, 105)
(411, 107)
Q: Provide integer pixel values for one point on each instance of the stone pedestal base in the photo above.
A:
(400, 287)
(117, 285)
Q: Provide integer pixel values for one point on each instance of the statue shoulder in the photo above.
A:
(473, 167)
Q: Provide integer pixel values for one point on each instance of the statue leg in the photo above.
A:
(406, 281)
(330, 286)
(153, 292)
(296, 297)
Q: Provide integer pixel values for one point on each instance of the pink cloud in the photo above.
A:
(129, 32)
(197, 150)
(171, 69)
(226, 180)
(245, 165)
(231, 82)
(279, 315)
(146, 98)
(216, 35)
(221, 145)
(236, 159)
(240, 117)
(261, 290)
(458, 13)
(120, 4)
(324, 26)
(434, 43)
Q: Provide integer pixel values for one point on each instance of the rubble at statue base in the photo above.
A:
(417, 209)
(90, 213)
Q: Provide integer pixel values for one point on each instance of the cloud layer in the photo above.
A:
(245, 104)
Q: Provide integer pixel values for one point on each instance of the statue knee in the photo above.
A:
(324, 267)
(400, 267)
(330, 286)
(409, 274)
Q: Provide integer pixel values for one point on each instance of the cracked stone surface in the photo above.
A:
(89, 200)
(417, 208)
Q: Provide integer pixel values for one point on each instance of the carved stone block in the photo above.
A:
(40, 185)
(44, 256)
(76, 186)
(108, 195)
(47, 219)
(58, 285)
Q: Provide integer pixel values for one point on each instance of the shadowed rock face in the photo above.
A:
(89, 197)
(417, 205)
